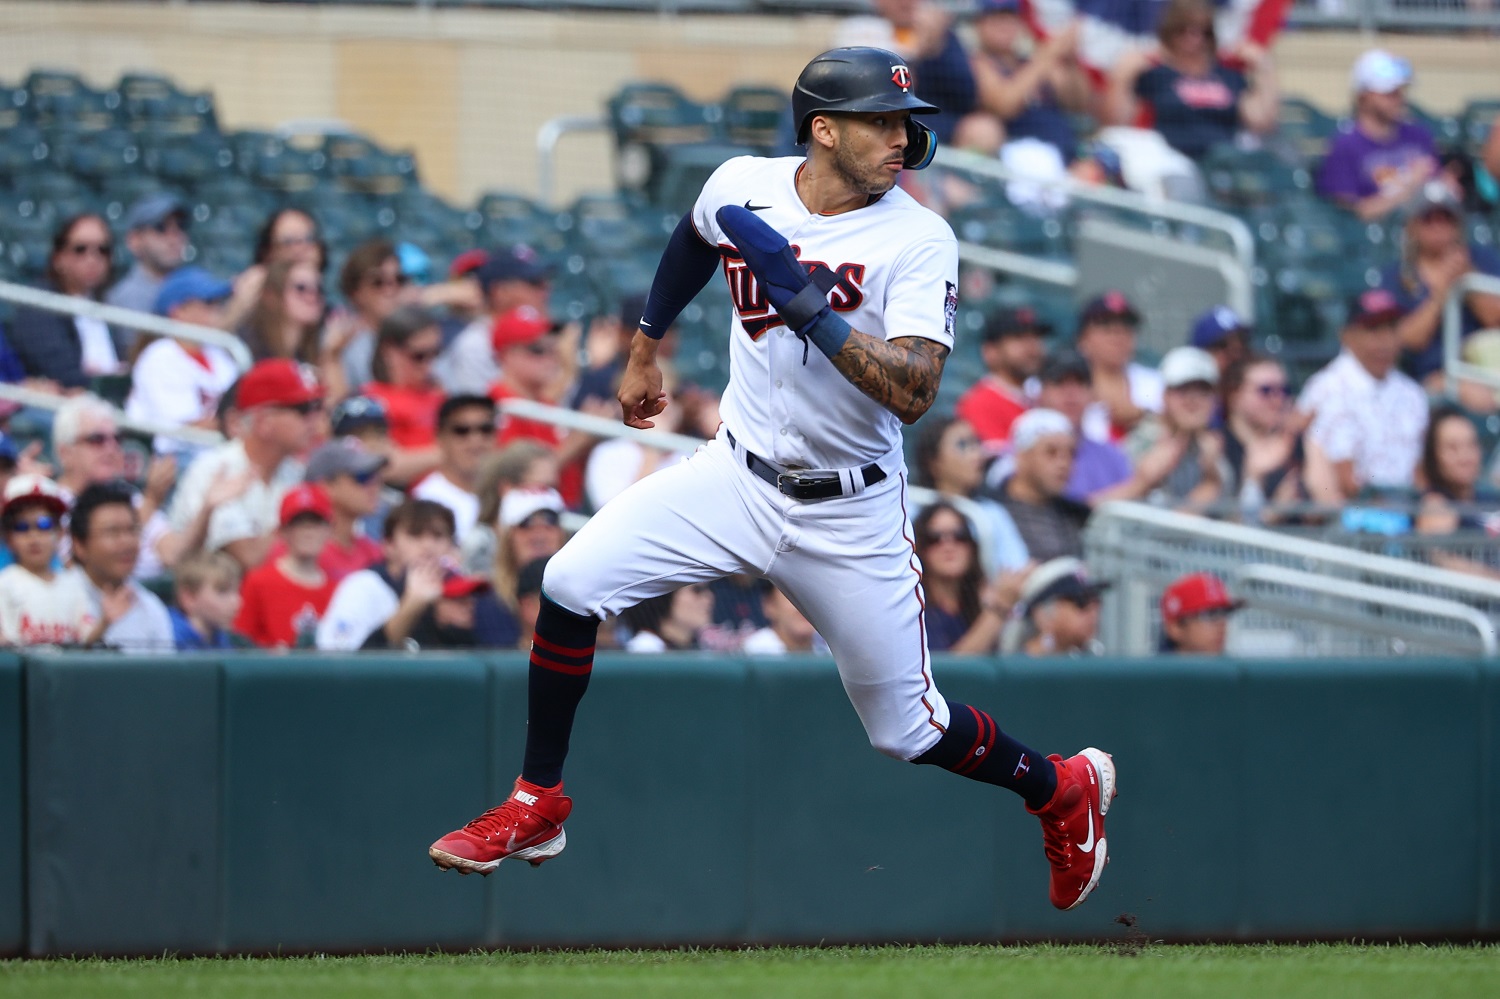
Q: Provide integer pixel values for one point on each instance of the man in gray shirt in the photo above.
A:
(106, 534)
(156, 232)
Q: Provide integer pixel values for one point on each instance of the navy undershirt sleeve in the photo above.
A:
(686, 266)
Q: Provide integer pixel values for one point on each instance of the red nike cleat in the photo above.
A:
(528, 826)
(1073, 825)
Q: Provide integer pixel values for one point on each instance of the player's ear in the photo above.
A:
(823, 131)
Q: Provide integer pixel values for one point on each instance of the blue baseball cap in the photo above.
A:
(1215, 326)
(190, 284)
(999, 6)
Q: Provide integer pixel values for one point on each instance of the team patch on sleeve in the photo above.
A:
(950, 307)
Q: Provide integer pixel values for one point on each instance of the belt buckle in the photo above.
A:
(786, 482)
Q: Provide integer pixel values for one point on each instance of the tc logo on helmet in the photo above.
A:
(901, 77)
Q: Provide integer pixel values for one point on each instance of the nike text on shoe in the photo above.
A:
(1073, 825)
(528, 826)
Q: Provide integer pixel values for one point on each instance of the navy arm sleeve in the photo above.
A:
(686, 266)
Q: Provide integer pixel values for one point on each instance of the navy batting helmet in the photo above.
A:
(863, 79)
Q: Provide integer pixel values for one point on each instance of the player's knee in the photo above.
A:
(893, 745)
(562, 583)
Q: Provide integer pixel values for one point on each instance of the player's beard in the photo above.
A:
(860, 175)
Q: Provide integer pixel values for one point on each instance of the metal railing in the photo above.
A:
(1454, 365)
(145, 322)
(52, 403)
(1373, 15)
(1142, 549)
(1234, 231)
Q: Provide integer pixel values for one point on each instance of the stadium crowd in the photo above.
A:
(371, 492)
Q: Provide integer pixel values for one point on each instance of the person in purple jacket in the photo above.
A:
(1383, 160)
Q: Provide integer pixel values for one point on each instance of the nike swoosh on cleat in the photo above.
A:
(1088, 845)
(755, 208)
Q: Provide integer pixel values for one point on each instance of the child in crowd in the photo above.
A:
(37, 606)
(208, 600)
(285, 597)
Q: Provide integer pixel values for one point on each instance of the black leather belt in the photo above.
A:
(805, 483)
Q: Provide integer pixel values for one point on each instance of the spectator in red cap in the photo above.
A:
(1195, 615)
(1127, 391)
(285, 597)
(526, 343)
(1013, 348)
(1367, 417)
(508, 279)
(408, 345)
(36, 606)
(231, 495)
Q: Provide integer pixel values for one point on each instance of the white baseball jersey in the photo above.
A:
(897, 265)
(846, 562)
(171, 386)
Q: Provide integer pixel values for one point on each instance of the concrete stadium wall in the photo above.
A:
(468, 89)
(284, 804)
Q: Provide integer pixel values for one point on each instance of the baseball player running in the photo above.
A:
(845, 292)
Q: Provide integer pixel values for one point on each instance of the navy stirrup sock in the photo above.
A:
(974, 747)
(562, 657)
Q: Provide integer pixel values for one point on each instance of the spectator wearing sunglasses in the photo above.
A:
(230, 496)
(156, 234)
(466, 436)
(1058, 611)
(353, 477)
(965, 612)
(86, 440)
(70, 350)
(37, 607)
(1195, 612)
(408, 342)
(1262, 434)
(371, 283)
(287, 319)
(179, 382)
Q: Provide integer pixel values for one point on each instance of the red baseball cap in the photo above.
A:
(278, 382)
(467, 263)
(1194, 594)
(306, 499)
(521, 325)
(458, 585)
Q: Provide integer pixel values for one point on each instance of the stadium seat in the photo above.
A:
(645, 118)
(358, 164)
(1242, 178)
(680, 171)
(506, 219)
(23, 149)
(79, 111)
(15, 107)
(97, 157)
(1305, 128)
(1445, 128)
(188, 160)
(1477, 119)
(757, 116)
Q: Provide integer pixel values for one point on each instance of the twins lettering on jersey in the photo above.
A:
(756, 314)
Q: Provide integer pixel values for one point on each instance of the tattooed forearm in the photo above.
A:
(902, 375)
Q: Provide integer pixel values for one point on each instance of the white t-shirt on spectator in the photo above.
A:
(253, 514)
(1146, 388)
(99, 357)
(439, 488)
(171, 386)
(1378, 425)
(37, 611)
(362, 602)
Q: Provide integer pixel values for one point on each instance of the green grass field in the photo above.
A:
(1318, 971)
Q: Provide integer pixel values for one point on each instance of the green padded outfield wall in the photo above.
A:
(12, 810)
(285, 803)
